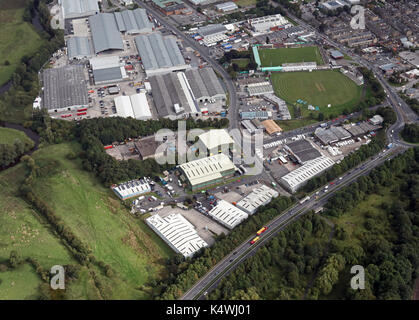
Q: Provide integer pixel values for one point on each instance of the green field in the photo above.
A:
(318, 88)
(96, 217)
(276, 57)
(242, 63)
(246, 3)
(18, 38)
(8, 136)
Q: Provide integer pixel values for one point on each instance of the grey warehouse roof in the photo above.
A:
(133, 21)
(157, 52)
(64, 87)
(79, 47)
(105, 33)
(212, 29)
(108, 74)
(204, 83)
(303, 150)
(78, 8)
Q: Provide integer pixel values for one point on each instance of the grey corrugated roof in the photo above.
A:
(120, 22)
(211, 29)
(105, 33)
(204, 82)
(78, 47)
(133, 21)
(79, 7)
(108, 74)
(157, 52)
(64, 87)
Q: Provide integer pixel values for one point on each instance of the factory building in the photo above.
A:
(205, 172)
(159, 54)
(297, 178)
(335, 54)
(212, 32)
(178, 233)
(257, 89)
(107, 69)
(269, 23)
(249, 126)
(64, 88)
(260, 196)
(169, 7)
(133, 21)
(105, 33)
(271, 127)
(302, 150)
(131, 189)
(249, 115)
(135, 106)
(357, 130)
(227, 214)
(172, 95)
(332, 135)
(205, 85)
(72, 9)
(79, 48)
(216, 140)
(147, 148)
(376, 120)
(283, 111)
(226, 6)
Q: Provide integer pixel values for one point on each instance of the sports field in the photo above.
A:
(18, 38)
(276, 57)
(318, 88)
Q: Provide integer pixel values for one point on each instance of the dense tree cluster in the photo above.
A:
(410, 132)
(377, 91)
(9, 153)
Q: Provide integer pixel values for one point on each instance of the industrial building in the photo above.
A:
(283, 111)
(169, 7)
(211, 32)
(72, 9)
(172, 95)
(249, 115)
(133, 21)
(256, 89)
(105, 33)
(249, 126)
(268, 23)
(227, 214)
(135, 106)
(147, 148)
(79, 48)
(205, 85)
(360, 129)
(159, 54)
(64, 88)
(333, 5)
(332, 135)
(226, 6)
(260, 196)
(335, 54)
(271, 127)
(297, 178)
(131, 189)
(107, 69)
(216, 140)
(302, 150)
(376, 120)
(178, 233)
(205, 172)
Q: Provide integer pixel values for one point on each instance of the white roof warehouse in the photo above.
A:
(215, 139)
(227, 214)
(131, 189)
(178, 233)
(258, 197)
(208, 171)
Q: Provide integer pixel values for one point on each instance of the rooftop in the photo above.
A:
(215, 137)
(303, 150)
(105, 32)
(227, 214)
(258, 197)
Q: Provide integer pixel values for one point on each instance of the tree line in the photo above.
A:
(410, 132)
(9, 153)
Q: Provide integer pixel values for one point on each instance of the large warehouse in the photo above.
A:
(178, 233)
(297, 178)
(206, 172)
(79, 48)
(172, 95)
(205, 85)
(105, 33)
(302, 150)
(260, 196)
(135, 106)
(216, 140)
(332, 135)
(159, 54)
(268, 23)
(131, 189)
(133, 21)
(78, 8)
(227, 214)
(107, 69)
(64, 88)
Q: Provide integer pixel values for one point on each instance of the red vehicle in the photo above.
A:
(261, 231)
(66, 115)
(82, 109)
(108, 147)
(332, 183)
(81, 113)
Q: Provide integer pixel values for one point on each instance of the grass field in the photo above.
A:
(8, 136)
(318, 88)
(276, 57)
(246, 3)
(242, 63)
(97, 218)
(18, 38)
